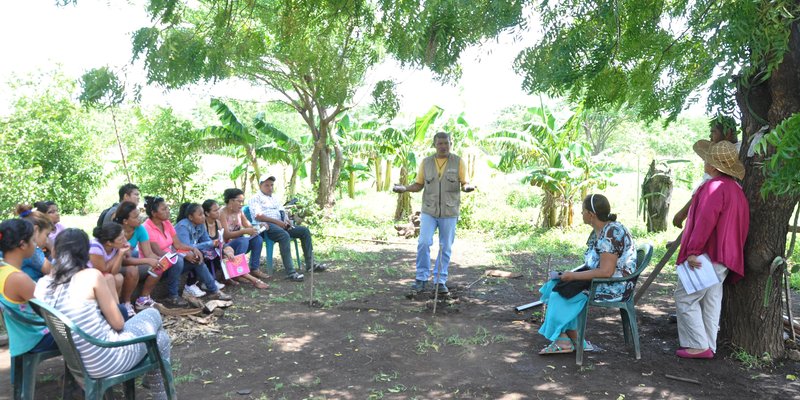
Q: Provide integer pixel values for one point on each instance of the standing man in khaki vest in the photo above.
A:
(443, 177)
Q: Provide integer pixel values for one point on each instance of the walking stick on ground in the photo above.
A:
(436, 279)
(311, 295)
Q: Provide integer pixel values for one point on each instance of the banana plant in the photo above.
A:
(293, 154)
(556, 162)
(240, 141)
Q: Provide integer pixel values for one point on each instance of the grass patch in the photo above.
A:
(751, 361)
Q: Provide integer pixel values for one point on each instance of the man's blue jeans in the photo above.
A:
(447, 233)
(252, 244)
(284, 239)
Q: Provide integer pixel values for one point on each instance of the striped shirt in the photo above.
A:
(99, 362)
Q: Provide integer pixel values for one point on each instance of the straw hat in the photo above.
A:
(722, 156)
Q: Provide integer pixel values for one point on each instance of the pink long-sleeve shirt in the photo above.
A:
(718, 221)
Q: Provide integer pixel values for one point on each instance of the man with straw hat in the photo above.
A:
(717, 225)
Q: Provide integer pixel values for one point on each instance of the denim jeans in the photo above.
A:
(252, 244)
(284, 239)
(447, 233)
(202, 273)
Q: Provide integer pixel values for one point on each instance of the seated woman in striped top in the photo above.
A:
(82, 294)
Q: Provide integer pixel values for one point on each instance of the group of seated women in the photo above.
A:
(93, 280)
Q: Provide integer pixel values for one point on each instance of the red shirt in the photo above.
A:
(718, 221)
(163, 240)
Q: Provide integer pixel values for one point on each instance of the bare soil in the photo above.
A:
(365, 337)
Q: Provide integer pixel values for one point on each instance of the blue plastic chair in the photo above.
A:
(23, 367)
(626, 305)
(270, 246)
(62, 329)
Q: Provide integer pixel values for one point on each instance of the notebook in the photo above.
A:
(164, 263)
(235, 267)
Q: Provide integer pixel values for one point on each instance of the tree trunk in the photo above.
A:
(549, 211)
(751, 309)
(378, 173)
(387, 180)
(656, 196)
(293, 182)
(403, 209)
(351, 185)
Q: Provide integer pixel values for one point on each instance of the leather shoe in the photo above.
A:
(318, 268)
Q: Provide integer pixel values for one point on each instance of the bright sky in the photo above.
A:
(39, 35)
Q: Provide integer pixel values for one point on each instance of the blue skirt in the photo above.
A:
(562, 314)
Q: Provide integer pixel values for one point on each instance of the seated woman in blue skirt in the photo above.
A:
(610, 252)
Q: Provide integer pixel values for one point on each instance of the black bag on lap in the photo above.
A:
(569, 289)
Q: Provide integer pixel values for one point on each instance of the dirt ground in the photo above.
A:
(365, 339)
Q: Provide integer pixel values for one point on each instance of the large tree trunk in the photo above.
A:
(751, 309)
(656, 196)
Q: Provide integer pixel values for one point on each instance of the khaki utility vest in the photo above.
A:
(441, 197)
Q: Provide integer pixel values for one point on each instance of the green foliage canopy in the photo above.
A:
(652, 55)
(47, 152)
(163, 160)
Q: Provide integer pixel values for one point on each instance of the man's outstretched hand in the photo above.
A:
(469, 188)
(399, 188)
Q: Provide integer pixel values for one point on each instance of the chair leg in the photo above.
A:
(166, 375)
(28, 380)
(581, 334)
(68, 384)
(270, 245)
(130, 389)
(634, 330)
(16, 376)
(623, 313)
(297, 255)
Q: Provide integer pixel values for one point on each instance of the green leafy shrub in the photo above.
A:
(163, 159)
(46, 149)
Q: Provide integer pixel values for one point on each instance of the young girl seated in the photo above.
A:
(213, 261)
(106, 251)
(82, 295)
(36, 265)
(16, 288)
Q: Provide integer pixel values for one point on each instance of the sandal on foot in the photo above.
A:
(554, 348)
(259, 284)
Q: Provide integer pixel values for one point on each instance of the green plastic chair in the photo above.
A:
(270, 245)
(23, 367)
(626, 306)
(62, 330)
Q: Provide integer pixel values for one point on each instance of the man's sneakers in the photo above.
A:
(318, 267)
(295, 277)
(421, 286)
(194, 290)
(418, 285)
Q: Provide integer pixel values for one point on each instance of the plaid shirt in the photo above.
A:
(268, 206)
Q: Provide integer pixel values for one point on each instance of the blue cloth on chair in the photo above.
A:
(562, 314)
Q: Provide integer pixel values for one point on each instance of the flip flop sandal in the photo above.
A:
(260, 285)
(553, 348)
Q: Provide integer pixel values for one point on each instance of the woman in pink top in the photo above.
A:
(717, 225)
(162, 241)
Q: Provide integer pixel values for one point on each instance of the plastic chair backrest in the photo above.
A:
(246, 211)
(61, 328)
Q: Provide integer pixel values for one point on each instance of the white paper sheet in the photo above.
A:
(694, 279)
